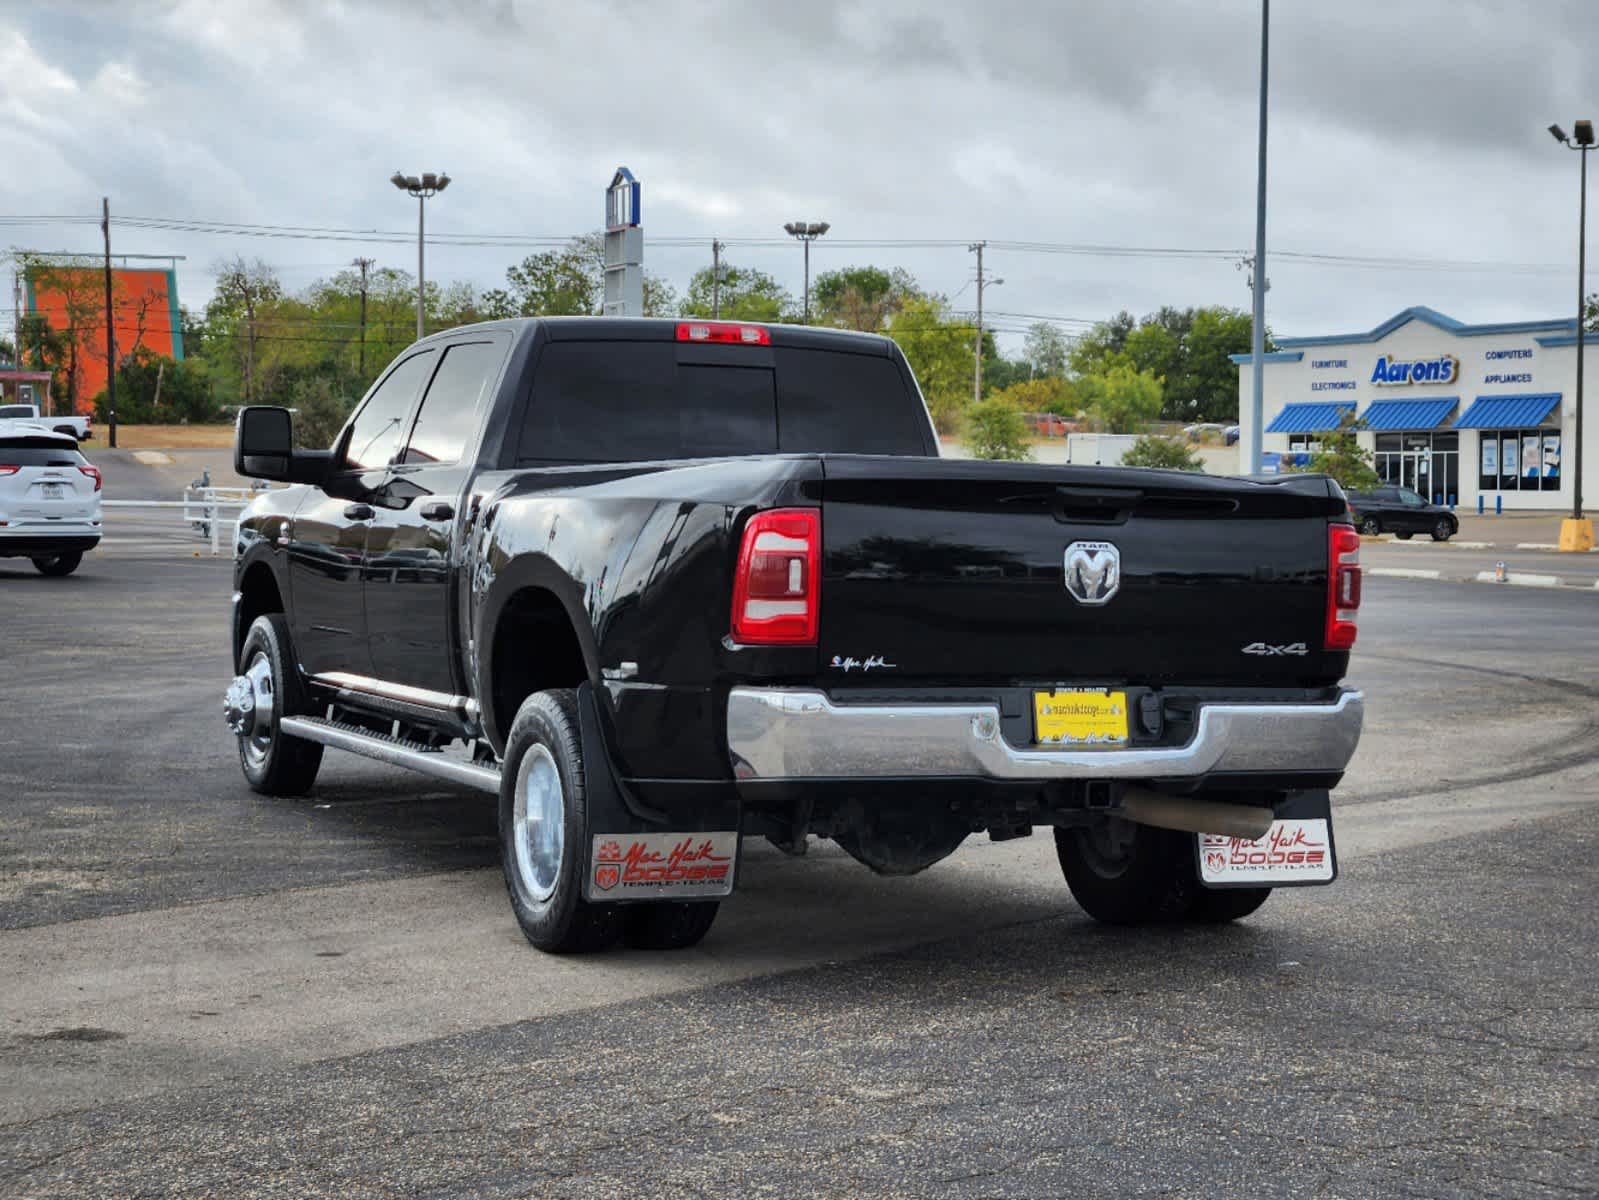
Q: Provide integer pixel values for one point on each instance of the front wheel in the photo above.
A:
(543, 817)
(267, 689)
(58, 564)
(1443, 531)
(1370, 526)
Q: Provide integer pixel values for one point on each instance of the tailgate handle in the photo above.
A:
(1108, 505)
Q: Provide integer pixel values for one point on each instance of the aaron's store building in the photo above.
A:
(1454, 411)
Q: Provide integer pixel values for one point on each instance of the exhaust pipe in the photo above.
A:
(1188, 815)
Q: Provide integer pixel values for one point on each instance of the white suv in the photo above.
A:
(49, 500)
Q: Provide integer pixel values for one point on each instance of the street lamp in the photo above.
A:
(807, 232)
(422, 188)
(1576, 533)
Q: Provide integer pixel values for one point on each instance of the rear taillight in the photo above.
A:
(94, 474)
(776, 590)
(732, 333)
(8, 470)
(1343, 585)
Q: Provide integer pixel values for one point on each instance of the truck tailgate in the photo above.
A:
(956, 572)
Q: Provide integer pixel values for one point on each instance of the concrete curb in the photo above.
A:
(1404, 573)
(1521, 579)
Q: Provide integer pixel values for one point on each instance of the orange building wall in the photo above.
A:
(155, 292)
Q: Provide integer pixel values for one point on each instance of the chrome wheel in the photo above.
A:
(250, 707)
(539, 824)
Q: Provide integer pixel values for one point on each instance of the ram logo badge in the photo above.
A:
(1093, 571)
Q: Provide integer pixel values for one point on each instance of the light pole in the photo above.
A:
(422, 188)
(1577, 533)
(807, 232)
(1253, 419)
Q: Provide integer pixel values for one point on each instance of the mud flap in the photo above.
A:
(633, 853)
(1297, 851)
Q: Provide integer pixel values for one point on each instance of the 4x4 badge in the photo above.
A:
(1093, 571)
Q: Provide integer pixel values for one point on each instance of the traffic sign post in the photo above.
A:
(624, 247)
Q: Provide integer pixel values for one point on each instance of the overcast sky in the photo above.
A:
(1399, 130)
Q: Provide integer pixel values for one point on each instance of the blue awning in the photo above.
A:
(1309, 418)
(1508, 412)
(1409, 414)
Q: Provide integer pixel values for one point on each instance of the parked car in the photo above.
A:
(49, 500)
(15, 416)
(1401, 512)
(1229, 435)
(662, 585)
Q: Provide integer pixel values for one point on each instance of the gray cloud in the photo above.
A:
(1409, 130)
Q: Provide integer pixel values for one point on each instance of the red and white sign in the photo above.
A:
(1293, 851)
(632, 866)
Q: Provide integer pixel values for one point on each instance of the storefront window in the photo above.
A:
(1303, 443)
(1524, 460)
(1427, 462)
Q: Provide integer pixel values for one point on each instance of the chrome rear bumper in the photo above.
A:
(776, 734)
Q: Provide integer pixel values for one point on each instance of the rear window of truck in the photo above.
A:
(609, 401)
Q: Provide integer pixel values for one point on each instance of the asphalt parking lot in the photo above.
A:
(206, 992)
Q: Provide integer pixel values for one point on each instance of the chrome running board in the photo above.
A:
(395, 751)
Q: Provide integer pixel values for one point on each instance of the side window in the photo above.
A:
(379, 428)
(448, 415)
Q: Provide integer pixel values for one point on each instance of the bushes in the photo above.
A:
(321, 408)
(155, 390)
(995, 429)
(1168, 453)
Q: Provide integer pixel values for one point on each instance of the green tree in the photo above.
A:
(1342, 456)
(1168, 453)
(864, 298)
(939, 349)
(1099, 348)
(1044, 350)
(1000, 372)
(746, 295)
(321, 408)
(1206, 389)
(155, 390)
(1122, 399)
(1045, 393)
(994, 429)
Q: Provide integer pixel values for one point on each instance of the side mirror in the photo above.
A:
(263, 448)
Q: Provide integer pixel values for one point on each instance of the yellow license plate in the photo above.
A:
(1074, 718)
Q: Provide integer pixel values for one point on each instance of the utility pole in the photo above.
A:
(110, 328)
(365, 264)
(716, 279)
(982, 281)
(1257, 352)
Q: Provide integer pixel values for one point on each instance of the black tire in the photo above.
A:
(1122, 873)
(1218, 906)
(1404, 537)
(559, 920)
(668, 924)
(1370, 526)
(1443, 531)
(69, 431)
(58, 564)
(275, 764)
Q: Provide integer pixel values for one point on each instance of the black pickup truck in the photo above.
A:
(663, 585)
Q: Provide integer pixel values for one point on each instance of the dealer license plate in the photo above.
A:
(1080, 718)
(53, 491)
